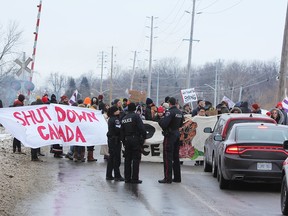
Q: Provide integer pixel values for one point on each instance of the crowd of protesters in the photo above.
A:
(124, 119)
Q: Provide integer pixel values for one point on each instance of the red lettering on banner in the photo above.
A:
(72, 115)
(53, 133)
(66, 133)
(60, 114)
(79, 135)
(32, 116)
(40, 129)
(17, 116)
(69, 133)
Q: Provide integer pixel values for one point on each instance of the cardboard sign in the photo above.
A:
(137, 96)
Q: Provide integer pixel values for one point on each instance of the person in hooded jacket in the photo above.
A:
(244, 107)
(114, 144)
(53, 99)
(277, 115)
(280, 107)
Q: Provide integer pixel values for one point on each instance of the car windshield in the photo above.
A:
(261, 134)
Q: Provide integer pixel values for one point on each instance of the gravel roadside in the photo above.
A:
(20, 178)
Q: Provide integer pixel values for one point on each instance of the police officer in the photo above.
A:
(114, 144)
(133, 135)
(170, 124)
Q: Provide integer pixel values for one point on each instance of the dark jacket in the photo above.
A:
(172, 120)
(114, 126)
(132, 125)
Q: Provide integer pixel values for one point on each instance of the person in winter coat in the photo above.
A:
(16, 142)
(57, 149)
(35, 152)
(150, 109)
(114, 144)
(255, 108)
(170, 125)
(53, 99)
(236, 110)
(277, 115)
(90, 149)
(244, 107)
(133, 134)
(280, 107)
(160, 114)
(101, 104)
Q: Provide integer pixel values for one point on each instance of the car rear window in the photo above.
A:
(235, 121)
(261, 134)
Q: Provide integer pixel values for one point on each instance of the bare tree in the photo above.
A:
(58, 83)
(9, 40)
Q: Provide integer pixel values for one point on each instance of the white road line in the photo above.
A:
(201, 200)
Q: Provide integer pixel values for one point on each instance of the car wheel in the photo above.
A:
(214, 167)
(284, 197)
(207, 167)
(223, 183)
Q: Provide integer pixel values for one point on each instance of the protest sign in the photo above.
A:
(188, 95)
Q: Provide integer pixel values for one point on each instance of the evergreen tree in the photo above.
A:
(71, 87)
(84, 87)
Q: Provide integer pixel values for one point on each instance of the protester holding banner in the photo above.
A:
(133, 135)
(104, 148)
(90, 149)
(16, 142)
(170, 124)
(114, 144)
(56, 148)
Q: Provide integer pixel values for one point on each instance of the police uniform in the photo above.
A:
(133, 135)
(170, 124)
(114, 144)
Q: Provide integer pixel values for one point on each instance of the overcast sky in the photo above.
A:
(73, 33)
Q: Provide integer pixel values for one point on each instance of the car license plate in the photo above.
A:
(264, 166)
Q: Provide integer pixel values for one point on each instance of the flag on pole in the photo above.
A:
(73, 98)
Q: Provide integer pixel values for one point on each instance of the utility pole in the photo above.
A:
(102, 66)
(133, 71)
(111, 77)
(150, 61)
(284, 62)
(216, 86)
(240, 93)
(190, 47)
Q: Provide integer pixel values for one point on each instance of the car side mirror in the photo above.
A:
(218, 137)
(208, 130)
(285, 144)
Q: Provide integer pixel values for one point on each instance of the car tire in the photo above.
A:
(207, 167)
(284, 197)
(223, 183)
(214, 167)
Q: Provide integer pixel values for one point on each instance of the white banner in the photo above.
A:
(43, 125)
(191, 135)
(188, 95)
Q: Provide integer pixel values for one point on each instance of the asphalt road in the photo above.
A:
(81, 189)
